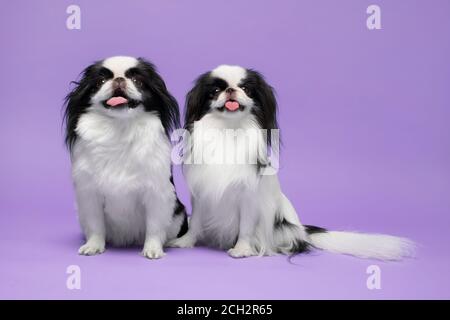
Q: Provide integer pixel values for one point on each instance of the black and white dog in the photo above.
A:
(239, 206)
(118, 120)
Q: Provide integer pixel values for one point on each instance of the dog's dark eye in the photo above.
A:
(136, 81)
(245, 89)
(216, 90)
(100, 82)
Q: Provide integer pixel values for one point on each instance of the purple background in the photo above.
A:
(364, 117)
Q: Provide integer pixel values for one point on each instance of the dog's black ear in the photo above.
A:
(196, 100)
(77, 101)
(160, 99)
(266, 108)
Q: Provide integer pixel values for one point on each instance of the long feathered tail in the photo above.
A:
(299, 238)
(363, 245)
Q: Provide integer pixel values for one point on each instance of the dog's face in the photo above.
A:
(120, 87)
(232, 92)
(229, 90)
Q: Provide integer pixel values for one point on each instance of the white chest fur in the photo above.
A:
(121, 155)
(224, 153)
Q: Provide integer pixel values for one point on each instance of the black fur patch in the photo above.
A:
(280, 222)
(300, 246)
(198, 100)
(184, 227)
(313, 229)
(155, 96)
(78, 100)
(181, 210)
(263, 96)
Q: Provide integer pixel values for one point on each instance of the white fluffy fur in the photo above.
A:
(120, 64)
(121, 169)
(379, 246)
(233, 202)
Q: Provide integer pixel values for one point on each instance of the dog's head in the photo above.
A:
(232, 92)
(120, 87)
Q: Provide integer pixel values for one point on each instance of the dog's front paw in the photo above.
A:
(92, 248)
(153, 252)
(242, 251)
(183, 242)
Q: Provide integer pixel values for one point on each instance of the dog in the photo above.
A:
(240, 206)
(118, 118)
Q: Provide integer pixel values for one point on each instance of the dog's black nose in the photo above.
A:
(119, 83)
(229, 90)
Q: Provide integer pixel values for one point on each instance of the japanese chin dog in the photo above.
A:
(118, 120)
(230, 159)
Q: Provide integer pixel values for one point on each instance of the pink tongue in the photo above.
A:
(232, 105)
(115, 101)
